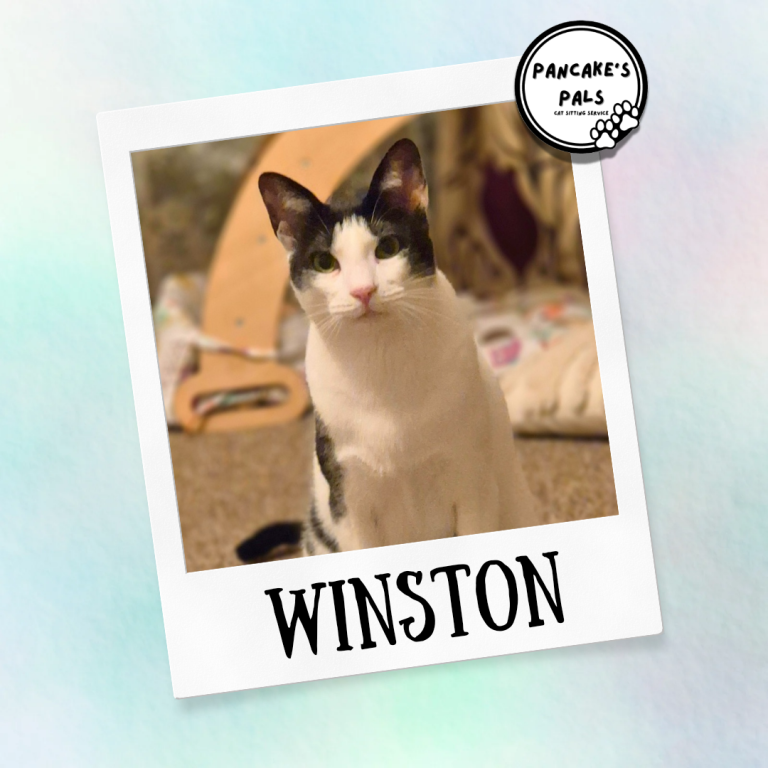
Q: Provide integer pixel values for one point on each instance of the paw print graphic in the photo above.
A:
(619, 124)
(625, 115)
(605, 133)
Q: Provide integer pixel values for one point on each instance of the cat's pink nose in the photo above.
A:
(364, 294)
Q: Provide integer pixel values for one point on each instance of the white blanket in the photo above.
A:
(541, 345)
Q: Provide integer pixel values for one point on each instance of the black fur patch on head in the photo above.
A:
(411, 230)
(316, 238)
(395, 204)
(301, 222)
(331, 469)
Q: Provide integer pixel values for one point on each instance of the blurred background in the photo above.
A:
(505, 224)
(83, 663)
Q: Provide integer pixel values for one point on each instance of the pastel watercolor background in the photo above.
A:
(84, 677)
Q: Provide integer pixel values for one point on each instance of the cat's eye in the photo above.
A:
(387, 247)
(323, 262)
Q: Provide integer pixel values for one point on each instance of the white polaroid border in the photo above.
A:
(220, 625)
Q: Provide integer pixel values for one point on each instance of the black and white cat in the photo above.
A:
(413, 439)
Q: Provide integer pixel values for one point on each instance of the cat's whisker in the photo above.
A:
(413, 316)
(375, 219)
(393, 295)
(434, 314)
(332, 329)
(375, 205)
(312, 227)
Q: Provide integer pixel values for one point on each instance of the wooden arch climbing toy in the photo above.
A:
(249, 275)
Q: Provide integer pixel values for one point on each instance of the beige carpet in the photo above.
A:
(230, 485)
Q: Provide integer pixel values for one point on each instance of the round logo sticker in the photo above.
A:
(581, 87)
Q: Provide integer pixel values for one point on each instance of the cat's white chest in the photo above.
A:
(412, 475)
(414, 504)
(418, 442)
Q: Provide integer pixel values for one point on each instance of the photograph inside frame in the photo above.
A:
(372, 333)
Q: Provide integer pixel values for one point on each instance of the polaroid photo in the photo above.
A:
(379, 377)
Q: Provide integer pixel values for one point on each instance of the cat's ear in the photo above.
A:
(290, 207)
(399, 181)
